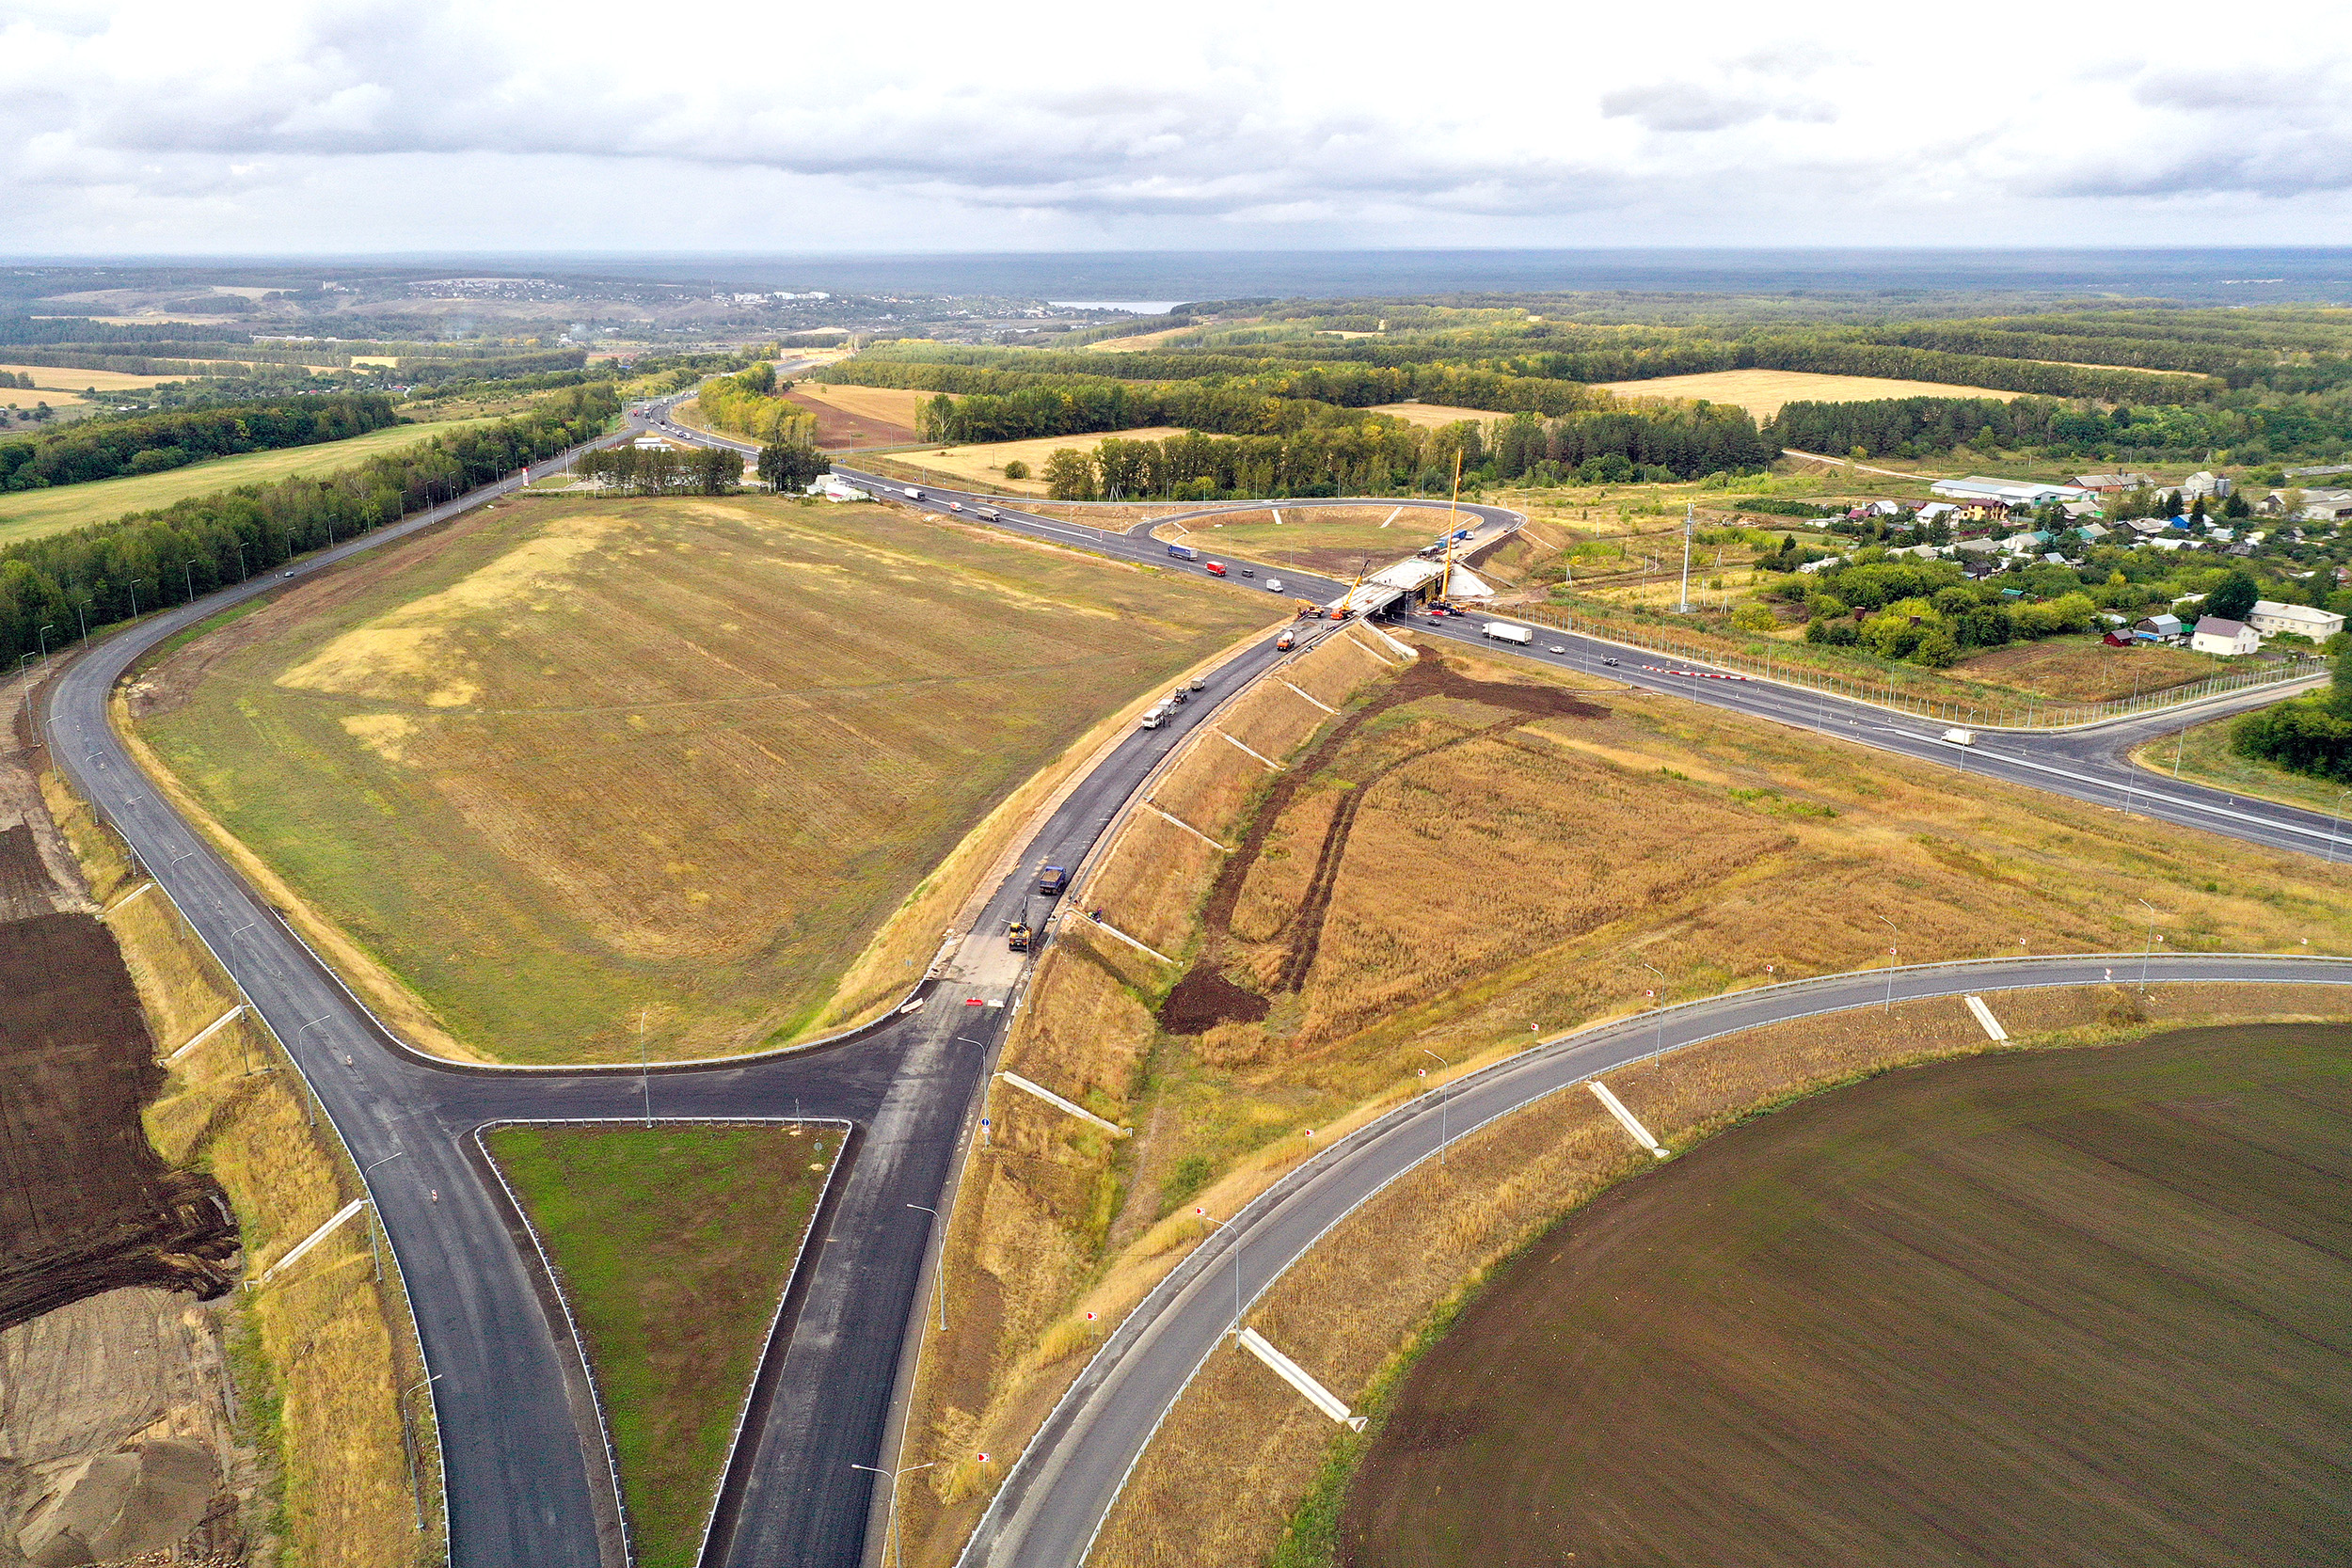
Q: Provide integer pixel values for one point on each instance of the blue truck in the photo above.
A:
(1183, 553)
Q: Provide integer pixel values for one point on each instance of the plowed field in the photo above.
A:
(2077, 1307)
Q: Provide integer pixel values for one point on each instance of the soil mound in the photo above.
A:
(1205, 998)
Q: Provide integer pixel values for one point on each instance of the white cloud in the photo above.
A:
(366, 125)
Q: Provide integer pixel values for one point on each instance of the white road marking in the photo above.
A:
(1625, 1118)
(1984, 1016)
(1051, 1099)
(1292, 1373)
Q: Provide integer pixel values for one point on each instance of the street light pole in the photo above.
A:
(2150, 950)
(1658, 1043)
(376, 1215)
(1894, 959)
(892, 1476)
(1444, 1094)
(939, 1281)
(410, 1445)
(1203, 1213)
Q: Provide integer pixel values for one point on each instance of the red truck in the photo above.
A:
(1215, 568)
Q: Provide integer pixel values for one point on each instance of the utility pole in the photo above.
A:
(1688, 509)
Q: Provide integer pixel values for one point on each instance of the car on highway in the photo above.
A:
(1550, 648)
(1605, 660)
(1247, 572)
(1199, 682)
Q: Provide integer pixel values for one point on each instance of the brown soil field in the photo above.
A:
(1489, 859)
(2086, 670)
(85, 1204)
(570, 770)
(2026, 1308)
(1762, 392)
(860, 416)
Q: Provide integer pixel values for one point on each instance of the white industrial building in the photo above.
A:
(2011, 492)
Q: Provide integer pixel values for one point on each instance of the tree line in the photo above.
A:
(634, 470)
(1374, 455)
(78, 582)
(21, 379)
(108, 449)
(751, 404)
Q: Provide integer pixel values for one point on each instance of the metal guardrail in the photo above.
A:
(2027, 715)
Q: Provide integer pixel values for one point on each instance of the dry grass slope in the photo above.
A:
(571, 767)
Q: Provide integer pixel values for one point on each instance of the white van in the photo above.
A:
(1274, 585)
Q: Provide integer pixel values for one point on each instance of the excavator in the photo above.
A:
(1017, 936)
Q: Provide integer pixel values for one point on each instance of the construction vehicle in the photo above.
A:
(1051, 881)
(1017, 936)
(1285, 643)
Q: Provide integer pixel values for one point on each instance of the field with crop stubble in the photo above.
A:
(570, 771)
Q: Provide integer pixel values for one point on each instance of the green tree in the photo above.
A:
(1070, 475)
(790, 465)
(2233, 600)
(1016, 469)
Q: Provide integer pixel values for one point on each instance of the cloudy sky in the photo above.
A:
(370, 126)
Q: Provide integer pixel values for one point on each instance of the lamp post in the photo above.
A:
(376, 1215)
(410, 1444)
(1894, 957)
(2150, 950)
(1658, 1043)
(1203, 1213)
(892, 1477)
(1444, 1095)
(939, 1279)
(188, 575)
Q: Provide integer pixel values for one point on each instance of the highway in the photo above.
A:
(527, 1481)
(527, 1478)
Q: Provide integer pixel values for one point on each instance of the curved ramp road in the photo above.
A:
(1060, 1489)
(526, 1476)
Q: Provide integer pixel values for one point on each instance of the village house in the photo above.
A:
(2229, 639)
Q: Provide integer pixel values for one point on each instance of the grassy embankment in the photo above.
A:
(323, 1351)
(1463, 874)
(1407, 1263)
(2202, 754)
(568, 769)
(1947, 1316)
(673, 1246)
(31, 513)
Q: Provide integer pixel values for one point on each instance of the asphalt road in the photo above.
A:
(527, 1480)
(1059, 1490)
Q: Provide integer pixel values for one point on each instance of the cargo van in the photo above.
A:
(1274, 585)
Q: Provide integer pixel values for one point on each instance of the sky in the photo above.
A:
(365, 126)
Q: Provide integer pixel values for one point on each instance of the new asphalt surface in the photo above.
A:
(526, 1476)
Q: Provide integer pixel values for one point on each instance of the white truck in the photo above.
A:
(1503, 631)
(1159, 714)
(1274, 585)
(913, 493)
(1959, 737)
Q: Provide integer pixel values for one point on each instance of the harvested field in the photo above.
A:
(673, 1246)
(2026, 1308)
(1762, 392)
(31, 513)
(860, 416)
(59, 387)
(985, 463)
(568, 769)
(2086, 670)
(1432, 416)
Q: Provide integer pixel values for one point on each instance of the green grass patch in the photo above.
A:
(31, 513)
(2202, 754)
(673, 1245)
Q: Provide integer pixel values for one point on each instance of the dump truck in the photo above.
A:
(1503, 631)
(1051, 879)
(1017, 936)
